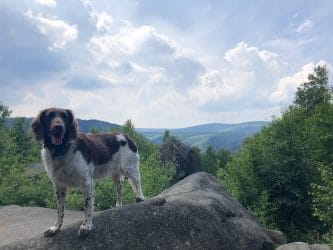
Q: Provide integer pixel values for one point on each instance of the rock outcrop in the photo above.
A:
(195, 213)
(277, 237)
(187, 160)
(303, 246)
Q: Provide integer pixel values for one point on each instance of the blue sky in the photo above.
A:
(161, 63)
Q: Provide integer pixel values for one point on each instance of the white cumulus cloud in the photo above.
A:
(130, 41)
(244, 55)
(58, 31)
(134, 55)
(247, 80)
(287, 86)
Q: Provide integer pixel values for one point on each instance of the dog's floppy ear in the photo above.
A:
(38, 125)
(73, 128)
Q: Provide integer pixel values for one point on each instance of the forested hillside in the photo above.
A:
(284, 173)
(218, 135)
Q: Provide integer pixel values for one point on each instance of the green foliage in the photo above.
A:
(25, 146)
(209, 160)
(283, 174)
(315, 92)
(238, 176)
(74, 200)
(156, 176)
(20, 182)
(212, 161)
(323, 199)
(105, 194)
(223, 157)
(129, 128)
(26, 187)
(272, 176)
(166, 136)
(4, 113)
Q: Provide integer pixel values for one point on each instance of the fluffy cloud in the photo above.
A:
(136, 55)
(246, 81)
(287, 86)
(246, 57)
(131, 41)
(59, 32)
(132, 71)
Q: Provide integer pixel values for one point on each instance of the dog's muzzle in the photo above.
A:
(57, 134)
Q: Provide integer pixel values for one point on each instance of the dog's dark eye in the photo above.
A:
(64, 116)
(51, 115)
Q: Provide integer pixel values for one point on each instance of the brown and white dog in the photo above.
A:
(74, 159)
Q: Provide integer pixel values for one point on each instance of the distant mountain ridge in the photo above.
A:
(219, 135)
(85, 125)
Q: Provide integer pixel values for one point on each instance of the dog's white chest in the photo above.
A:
(70, 170)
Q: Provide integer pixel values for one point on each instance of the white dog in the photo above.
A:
(73, 159)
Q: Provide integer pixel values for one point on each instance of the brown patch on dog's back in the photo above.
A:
(98, 148)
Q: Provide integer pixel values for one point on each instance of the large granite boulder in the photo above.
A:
(195, 213)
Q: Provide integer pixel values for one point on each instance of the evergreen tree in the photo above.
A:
(129, 128)
(223, 157)
(4, 114)
(25, 146)
(166, 136)
(209, 160)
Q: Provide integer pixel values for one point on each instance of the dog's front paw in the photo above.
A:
(138, 199)
(51, 231)
(84, 231)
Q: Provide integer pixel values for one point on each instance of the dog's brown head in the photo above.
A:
(55, 126)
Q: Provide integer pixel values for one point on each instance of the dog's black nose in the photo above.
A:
(57, 128)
